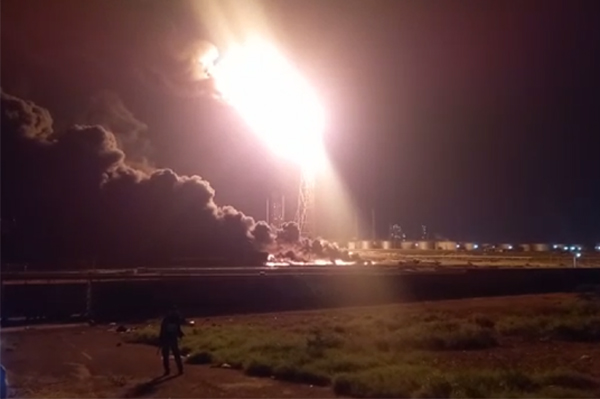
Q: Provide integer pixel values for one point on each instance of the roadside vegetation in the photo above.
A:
(403, 351)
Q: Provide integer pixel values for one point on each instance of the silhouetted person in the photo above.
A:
(170, 333)
(3, 383)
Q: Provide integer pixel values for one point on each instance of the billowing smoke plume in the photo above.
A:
(72, 195)
(106, 108)
(287, 243)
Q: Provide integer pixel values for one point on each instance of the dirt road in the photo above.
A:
(93, 362)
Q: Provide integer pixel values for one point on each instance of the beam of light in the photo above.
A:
(275, 101)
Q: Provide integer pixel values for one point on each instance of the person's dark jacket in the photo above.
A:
(170, 328)
(3, 383)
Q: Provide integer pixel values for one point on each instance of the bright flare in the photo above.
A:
(275, 101)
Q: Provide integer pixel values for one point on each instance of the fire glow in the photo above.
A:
(274, 262)
(275, 100)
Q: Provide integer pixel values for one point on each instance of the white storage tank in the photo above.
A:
(471, 246)
(425, 245)
(352, 245)
(407, 245)
(540, 247)
(386, 245)
(365, 244)
(446, 245)
(525, 247)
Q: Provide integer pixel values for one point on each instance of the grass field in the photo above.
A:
(502, 349)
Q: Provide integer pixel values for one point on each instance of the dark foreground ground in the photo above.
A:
(93, 362)
(83, 361)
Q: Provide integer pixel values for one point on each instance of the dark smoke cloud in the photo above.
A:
(106, 108)
(287, 243)
(72, 195)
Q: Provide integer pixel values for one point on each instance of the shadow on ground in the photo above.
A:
(148, 387)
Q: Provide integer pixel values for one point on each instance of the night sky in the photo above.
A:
(479, 119)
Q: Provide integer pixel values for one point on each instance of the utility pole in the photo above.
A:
(356, 229)
(373, 231)
(267, 212)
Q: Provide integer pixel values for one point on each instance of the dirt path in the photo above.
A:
(93, 362)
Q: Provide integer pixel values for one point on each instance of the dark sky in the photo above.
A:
(479, 119)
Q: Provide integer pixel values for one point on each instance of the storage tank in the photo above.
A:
(540, 247)
(506, 247)
(407, 245)
(525, 247)
(425, 245)
(386, 245)
(352, 245)
(365, 244)
(471, 246)
(446, 245)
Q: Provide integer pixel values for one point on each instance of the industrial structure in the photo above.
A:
(305, 212)
(448, 246)
(276, 210)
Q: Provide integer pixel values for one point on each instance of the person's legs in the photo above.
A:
(165, 358)
(177, 356)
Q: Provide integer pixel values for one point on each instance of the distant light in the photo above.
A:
(510, 247)
(555, 246)
(457, 246)
(475, 246)
(578, 254)
(417, 244)
(573, 248)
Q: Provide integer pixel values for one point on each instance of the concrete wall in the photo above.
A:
(212, 295)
